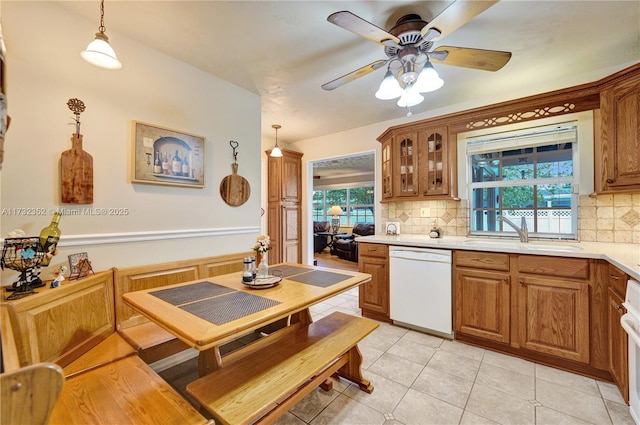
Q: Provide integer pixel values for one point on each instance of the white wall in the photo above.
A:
(44, 70)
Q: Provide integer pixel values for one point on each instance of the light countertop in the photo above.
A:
(624, 256)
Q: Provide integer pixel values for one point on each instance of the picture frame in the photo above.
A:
(73, 261)
(166, 156)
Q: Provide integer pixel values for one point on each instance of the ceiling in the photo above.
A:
(285, 50)
(359, 166)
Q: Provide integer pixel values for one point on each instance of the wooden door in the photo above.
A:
(274, 226)
(482, 306)
(618, 348)
(553, 316)
(291, 233)
(374, 295)
(434, 164)
(405, 164)
(387, 170)
(291, 177)
(619, 162)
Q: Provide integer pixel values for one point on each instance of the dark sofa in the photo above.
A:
(320, 241)
(346, 247)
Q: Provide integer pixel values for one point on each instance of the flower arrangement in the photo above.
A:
(263, 244)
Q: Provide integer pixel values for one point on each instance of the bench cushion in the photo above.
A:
(124, 392)
(251, 386)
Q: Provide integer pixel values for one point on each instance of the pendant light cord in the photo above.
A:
(102, 28)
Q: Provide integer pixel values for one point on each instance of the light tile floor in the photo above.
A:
(421, 379)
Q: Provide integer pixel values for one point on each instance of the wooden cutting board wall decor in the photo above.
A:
(234, 189)
(76, 177)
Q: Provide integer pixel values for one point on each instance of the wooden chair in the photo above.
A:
(30, 393)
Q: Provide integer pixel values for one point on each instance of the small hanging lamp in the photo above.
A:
(276, 152)
(99, 52)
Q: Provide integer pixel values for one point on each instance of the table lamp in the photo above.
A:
(335, 211)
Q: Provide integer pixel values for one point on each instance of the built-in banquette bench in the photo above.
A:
(104, 348)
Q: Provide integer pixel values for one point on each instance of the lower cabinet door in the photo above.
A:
(553, 316)
(482, 304)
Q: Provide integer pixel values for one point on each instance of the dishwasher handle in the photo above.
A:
(431, 255)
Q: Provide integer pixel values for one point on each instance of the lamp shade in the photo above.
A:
(335, 210)
(428, 80)
(410, 98)
(100, 53)
(276, 152)
(389, 88)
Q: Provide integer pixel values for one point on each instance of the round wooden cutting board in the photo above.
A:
(234, 189)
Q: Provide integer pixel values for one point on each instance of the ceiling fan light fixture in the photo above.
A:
(99, 52)
(389, 88)
(276, 152)
(410, 97)
(428, 80)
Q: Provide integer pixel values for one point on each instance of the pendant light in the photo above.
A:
(99, 51)
(276, 152)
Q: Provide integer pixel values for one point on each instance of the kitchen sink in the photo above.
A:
(525, 246)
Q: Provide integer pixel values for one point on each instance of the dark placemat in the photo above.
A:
(320, 278)
(289, 270)
(189, 293)
(228, 307)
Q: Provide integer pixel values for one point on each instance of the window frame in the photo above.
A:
(502, 145)
(347, 206)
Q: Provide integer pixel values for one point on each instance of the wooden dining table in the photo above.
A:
(209, 312)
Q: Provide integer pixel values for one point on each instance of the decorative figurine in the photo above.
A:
(59, 276)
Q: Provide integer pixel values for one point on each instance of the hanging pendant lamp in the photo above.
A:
(276, 152)
(99, 52)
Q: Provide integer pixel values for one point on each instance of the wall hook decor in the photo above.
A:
(234, 189)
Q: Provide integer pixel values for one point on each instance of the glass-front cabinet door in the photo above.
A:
(406, 165)
(434, 170)
(387, 177)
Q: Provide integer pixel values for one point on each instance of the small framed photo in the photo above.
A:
(166, 157)
(74, 260)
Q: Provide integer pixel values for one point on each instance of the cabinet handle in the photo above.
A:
(619, 307)
(610, 181)
(521, 281)
(506, 279)
(614, 277)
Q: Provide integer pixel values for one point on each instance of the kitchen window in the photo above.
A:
(356, 202)
(532, 174)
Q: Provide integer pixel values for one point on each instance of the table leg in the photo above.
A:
(303, 317)
(209, 360)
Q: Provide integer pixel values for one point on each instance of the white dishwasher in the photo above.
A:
(420, 289)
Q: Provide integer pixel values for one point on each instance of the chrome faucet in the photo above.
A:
(522, 231)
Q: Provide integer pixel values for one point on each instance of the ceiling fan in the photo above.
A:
(408, 46)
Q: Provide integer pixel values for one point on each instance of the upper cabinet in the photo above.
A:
(416, 163)
(617, 159)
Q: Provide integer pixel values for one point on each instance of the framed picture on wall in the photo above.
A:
(165, 156)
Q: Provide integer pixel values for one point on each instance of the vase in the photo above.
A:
(263, 267)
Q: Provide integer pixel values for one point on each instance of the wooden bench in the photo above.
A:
(123, 392)
(263, 381)
(110, 350)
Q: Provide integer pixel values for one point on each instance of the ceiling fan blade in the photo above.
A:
(486, 60)
(456, 15)
(359, 26)
(340, 81)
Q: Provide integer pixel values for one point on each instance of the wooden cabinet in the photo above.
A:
(617, 159)
(530, 303)
(618, 341)
(418, 162)
(481, 294)
(553, 306)
(374, 295)
(284, 188)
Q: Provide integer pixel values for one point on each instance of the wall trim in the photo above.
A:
(156, 235)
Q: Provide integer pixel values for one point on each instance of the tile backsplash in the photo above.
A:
(603, 218)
